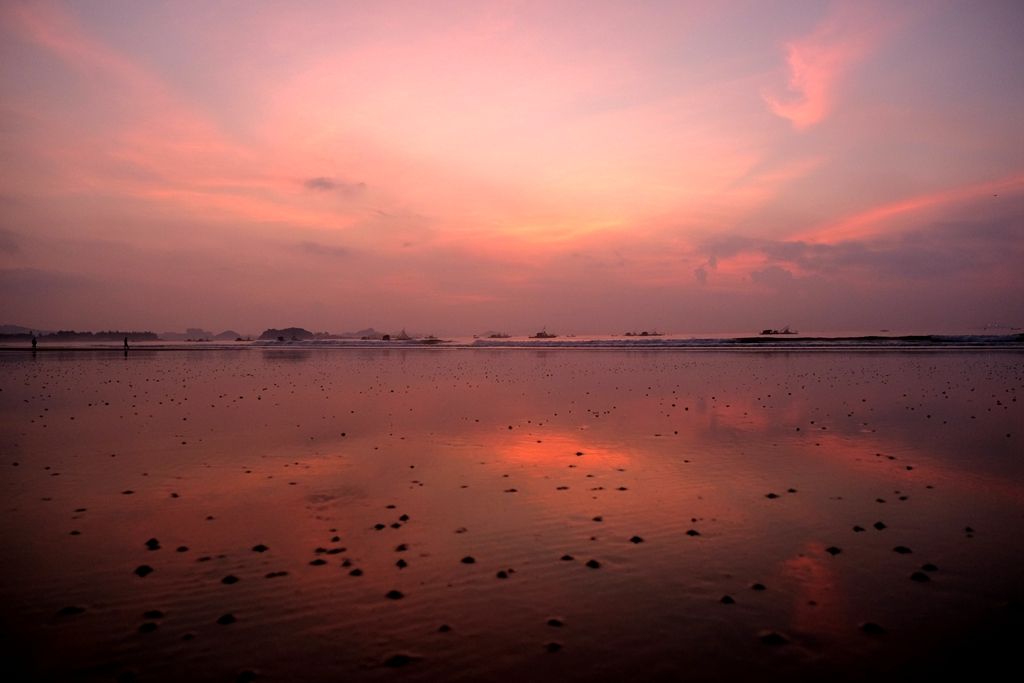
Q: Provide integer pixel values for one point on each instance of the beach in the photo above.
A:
(368, 514)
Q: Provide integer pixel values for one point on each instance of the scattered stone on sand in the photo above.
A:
(771, 496)
(182, 549)
(403, 518)
(758, 587)
(636, 539)
(858, 529)
(444, 628)
(791, 490)
(727, 600)
(153, 544)
(356, 572)
(468, 559)
(902, 550)
(598, 518)
(833, 550)
(773, 638)
(556, 622)
(260, 548)
(394, 595)
(274, 575)
(143, 570)
(567, 558)
(229, 579)
(226, 619)
(147, 627)
(929, 567)
(70, 611)
(553, 647)
(879, 525)
(399, 660)
(401, 564)
(401, 548)
(871, 628)
(920, 577)
(593, 564)
(692, 532)
(318, 561)
(378, 526)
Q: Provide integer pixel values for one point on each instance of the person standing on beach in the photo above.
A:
(35, 342)
(126, 344)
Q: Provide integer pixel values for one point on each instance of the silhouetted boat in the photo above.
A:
(784, 330)
(544, 334)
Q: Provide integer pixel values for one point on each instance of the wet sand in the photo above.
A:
(497, 515)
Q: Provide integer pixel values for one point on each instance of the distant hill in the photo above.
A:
(18, 329)
(229, 335)
(288, 333)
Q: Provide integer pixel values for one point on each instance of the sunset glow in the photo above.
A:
(454, 167)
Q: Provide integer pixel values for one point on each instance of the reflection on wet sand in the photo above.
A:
(493, 515)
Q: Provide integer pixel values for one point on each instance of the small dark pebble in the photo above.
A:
(356, 572)
(226, 619)
(404, 518)
(143, 570)
(182, 549)
(693, 532)
(274, 575)
(773, 638)
(147, 627)
(401, 564)
(727, 600)
(444, 628)
(502, 574)
(902, 550)
(758, 587)
(920, 577)
(229, 579)
(70, 611)
(394, 595)
(832, 550)
(858, 529)
(567, 558)
(771, 496)
(593, 564)
(599, 518)
(871, 628)
(401, 548)
(399, 660)
(468, 559)
(553, 647)
(318, 561)
(153, 544)
(636, 539)
(879, 525)
(557, 623)
(378, 527)
(260, 548)
(929, 567)
(790, 490)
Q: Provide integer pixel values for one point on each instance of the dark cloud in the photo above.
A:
(325, 184)
(319, 249)
(775, 277)
(8, 241)
(940, 250)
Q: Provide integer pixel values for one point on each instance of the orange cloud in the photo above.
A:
(818, 62)
(879, 218)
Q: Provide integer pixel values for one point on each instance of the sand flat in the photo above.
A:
(681, 477)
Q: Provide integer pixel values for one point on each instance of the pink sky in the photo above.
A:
(455, 167)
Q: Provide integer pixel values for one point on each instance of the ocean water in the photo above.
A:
(459, 513)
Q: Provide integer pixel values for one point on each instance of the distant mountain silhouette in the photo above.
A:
(228, 335)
